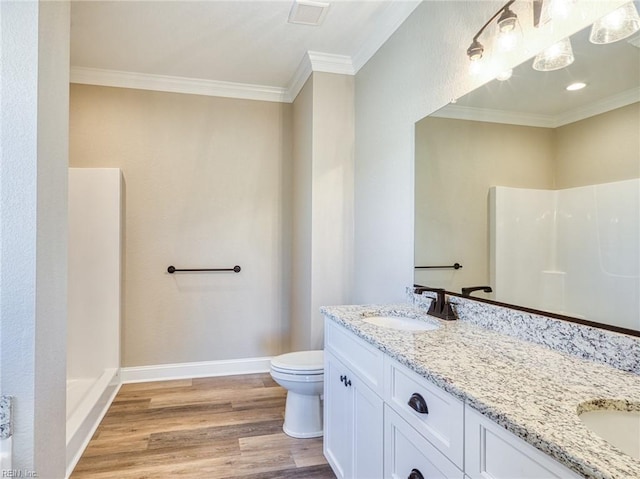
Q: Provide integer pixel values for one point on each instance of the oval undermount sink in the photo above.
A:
(401, 323)
(619, 428)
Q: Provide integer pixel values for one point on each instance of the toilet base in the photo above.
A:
(303, 416)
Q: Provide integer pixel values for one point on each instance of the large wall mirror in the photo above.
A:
(534, 189)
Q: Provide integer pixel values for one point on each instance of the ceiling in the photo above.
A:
(529, 97)
(239, 42)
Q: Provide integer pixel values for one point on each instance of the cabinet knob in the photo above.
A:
(415, 474)
(347, 382)
(418, 404)
(343, 379)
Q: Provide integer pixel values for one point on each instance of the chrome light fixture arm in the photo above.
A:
(476, 49)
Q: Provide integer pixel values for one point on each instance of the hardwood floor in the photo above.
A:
(213, 428)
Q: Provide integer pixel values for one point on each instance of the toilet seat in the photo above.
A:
(307, 363)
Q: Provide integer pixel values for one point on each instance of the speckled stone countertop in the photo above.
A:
(529, 389)
(5, 417)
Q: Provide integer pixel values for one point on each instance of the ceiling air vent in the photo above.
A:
(308, 13)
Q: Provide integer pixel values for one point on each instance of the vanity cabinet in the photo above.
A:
(381, 419)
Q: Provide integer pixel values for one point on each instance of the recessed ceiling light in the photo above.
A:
(306, 12)
(576, 86)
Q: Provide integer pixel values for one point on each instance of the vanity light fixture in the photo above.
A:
(557, 56)
(576, 86)
(506, 23)
(616, 25)
(508, 20)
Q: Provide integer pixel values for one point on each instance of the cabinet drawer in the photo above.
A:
(406, 450)
(492, 451)
(359, 356)
(442, 424)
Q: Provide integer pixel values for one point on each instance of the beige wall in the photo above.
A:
(207, 185)
(332, 196)
(600, 149)
(323, 123)
(300, 300)
(457, 161)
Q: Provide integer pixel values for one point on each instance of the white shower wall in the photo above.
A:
(573, 251)
(94, 300)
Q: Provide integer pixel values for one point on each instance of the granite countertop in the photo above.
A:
(529, 389)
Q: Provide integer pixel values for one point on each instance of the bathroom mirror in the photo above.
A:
(534, 190)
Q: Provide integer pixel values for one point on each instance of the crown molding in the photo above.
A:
(619, 100)
(318, 62)
(299, 78)
(144, 81)
(602, 106)
(312, 61)
(458, 112)
(329, 63)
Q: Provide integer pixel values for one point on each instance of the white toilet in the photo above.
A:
(302, 375)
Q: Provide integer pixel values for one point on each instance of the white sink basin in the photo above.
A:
(619, 428)
(401, 323)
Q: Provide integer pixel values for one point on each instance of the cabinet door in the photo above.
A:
(353, 426)
(493, 452)
(368, 431)
(338, 418)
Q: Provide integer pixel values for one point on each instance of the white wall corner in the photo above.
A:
(395, 14)
(172, 84)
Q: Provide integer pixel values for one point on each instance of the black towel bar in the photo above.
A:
(173, 269)
(453, 266)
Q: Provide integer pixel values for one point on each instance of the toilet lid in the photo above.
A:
(308, 361)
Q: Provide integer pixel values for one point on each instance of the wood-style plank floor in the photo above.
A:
(213, 428)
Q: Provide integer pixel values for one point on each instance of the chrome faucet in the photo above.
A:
(440, 307)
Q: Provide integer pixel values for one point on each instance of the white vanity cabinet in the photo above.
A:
(493, 452)
(353, 427)
(381, 419)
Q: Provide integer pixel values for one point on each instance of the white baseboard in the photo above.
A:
(165, 372)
